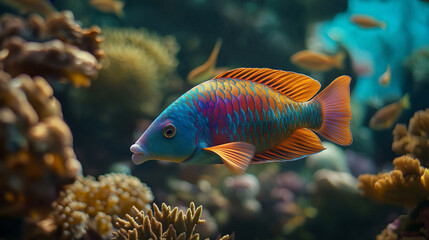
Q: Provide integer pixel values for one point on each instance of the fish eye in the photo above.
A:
(169, 130)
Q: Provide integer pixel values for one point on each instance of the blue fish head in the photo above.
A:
(171, 137)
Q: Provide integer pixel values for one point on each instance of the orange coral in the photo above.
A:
(164, 224)
(36, 146)
(406, 185)
(415, 140)
(91, 204)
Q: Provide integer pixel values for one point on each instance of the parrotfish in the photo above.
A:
(388, 115)
(205, 71)
(315, 61)
(249, 116)
(365, 21)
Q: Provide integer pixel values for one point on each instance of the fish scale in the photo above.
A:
(274, 118)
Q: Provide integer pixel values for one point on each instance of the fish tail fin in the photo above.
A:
(336, 112)
(405, 101)
(339, 60)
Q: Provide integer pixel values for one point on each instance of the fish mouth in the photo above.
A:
(140, 155)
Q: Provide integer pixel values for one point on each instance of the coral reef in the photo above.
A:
(164, 224)
(415, 139)
(333, 157)
(406, 185)
(414, 225)
(36, 151)
(417, 63)
(53, 59)
(91, 204)
(139, 63)
(241, 192)
(56, 48)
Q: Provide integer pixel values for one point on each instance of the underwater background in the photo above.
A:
(80, 81)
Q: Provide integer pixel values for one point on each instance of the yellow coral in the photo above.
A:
(164, 224)
(94, 204)
(415, 140)
(36, 146)
(406, 185)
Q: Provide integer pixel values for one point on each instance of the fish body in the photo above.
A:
(388, 115)
(248, 116)
(207, 70)
(384, 80)
(316, 61)
(365, 21)
(109, 6)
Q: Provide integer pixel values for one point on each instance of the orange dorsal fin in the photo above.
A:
(297, 87)
(303, 142)
(235, 155)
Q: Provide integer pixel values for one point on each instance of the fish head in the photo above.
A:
(170, 138)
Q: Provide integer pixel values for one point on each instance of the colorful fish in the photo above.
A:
(388, 115)
(384, 80)
(109, 6)
(315, 61)
(365, 21)
(249, 116)
(205, 71)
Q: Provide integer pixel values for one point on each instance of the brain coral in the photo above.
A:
(406, 185)
(91, 204)
(164, 224)
(415, 140)
(36, 146)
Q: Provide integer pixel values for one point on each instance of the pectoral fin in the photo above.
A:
(235, 155)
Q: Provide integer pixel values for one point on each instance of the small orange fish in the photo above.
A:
(388, 115)
(207, 70)
(315, 61)
(365, 21)
(384, 79)
(109, 6)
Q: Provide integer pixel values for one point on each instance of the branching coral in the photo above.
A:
(91, 204)
(406, 185)
(36, 152)
(57, 48)
(164, 224)
(415, 140)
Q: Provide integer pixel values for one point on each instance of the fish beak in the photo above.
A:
(140, 155)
